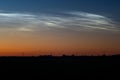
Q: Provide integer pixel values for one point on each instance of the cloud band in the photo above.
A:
(77, 21)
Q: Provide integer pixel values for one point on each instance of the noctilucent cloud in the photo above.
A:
(58, 26)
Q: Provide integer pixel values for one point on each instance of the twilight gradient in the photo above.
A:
(68, 32)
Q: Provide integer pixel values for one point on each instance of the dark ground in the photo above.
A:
(60, 67)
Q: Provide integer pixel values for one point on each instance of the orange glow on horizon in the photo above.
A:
(45, 43)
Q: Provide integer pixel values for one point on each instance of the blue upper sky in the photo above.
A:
(98, 6)
(104, 7)
(109, 8)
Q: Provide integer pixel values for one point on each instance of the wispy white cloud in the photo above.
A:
(78, 21)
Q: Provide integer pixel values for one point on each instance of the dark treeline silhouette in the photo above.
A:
(68, 66)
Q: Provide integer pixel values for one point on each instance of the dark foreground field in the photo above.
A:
(69, 67)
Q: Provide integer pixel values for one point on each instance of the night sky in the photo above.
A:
(42, 27)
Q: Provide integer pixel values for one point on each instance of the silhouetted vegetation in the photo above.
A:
(68, 66)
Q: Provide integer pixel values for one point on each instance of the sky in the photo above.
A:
(57, 27)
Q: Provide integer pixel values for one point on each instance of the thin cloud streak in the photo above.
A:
(77, 21)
